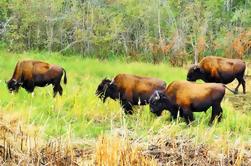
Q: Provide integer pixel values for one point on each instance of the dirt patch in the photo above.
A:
(240, 101)
(182, 151)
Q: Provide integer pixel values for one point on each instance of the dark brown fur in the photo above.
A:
(188, 97)
(129, 89)
(31, 73)
(219, 70)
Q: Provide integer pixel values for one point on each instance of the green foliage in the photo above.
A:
(121, 27)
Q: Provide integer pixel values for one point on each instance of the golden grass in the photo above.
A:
(113, 151)
(182, 150)
(19, 148)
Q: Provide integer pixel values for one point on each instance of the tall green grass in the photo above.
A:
(82, 113)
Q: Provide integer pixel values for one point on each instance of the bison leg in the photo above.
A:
(237, 87)
(29, 87)
(60, 90)
(174, 112)
(127, 107)
(188, 115)
(216, 111)
(243, 82)
(55, 91)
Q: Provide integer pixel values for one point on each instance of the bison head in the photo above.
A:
(158, 102)
(194, 73)
(13, 85)
(106, 89)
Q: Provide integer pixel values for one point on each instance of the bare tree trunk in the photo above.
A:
(194, 44)
(50, 31)
(61, 38)
(51, 37)
(29, 38)
(38, 37)
(195, 56)
(124, 43)
(160, 37)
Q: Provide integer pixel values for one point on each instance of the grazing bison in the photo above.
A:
(219, 70)
(129, 89)
(30, 73)
(187, 97)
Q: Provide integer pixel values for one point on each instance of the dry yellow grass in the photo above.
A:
(18, 147)
(113, 151)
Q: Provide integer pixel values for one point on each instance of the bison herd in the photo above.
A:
(178, 97)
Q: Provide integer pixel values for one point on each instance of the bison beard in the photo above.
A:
(29, 74)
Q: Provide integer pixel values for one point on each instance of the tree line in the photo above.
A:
(152, 30)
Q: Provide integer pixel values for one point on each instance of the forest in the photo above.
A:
(149, 30)
(94, 41)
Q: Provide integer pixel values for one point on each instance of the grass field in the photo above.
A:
(80, 115)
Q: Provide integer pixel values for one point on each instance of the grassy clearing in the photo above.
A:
(82, 116)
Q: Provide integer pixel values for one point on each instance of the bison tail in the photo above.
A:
(65, 77)
(234, 92)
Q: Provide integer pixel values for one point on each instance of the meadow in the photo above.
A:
(80, 116)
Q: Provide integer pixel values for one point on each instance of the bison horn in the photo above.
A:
(157, 97)
(112, 81)
(15, 81)
(196, 67)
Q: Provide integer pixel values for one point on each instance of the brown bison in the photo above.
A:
(129, 89)
(30, 73)
(219, 70)
(187, 97)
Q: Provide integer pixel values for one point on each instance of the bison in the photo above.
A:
(30, 73)
(129, 89)
(219, 70)
(187, 97)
